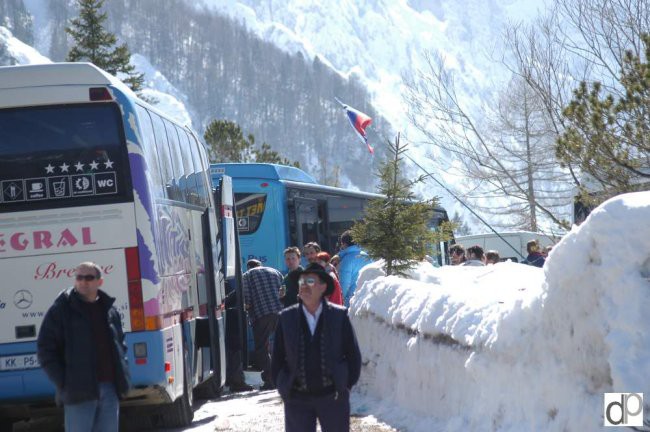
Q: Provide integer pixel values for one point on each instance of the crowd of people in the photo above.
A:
(476, 256)
(316, 358)
(314, 362)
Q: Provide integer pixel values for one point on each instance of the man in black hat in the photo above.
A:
(316, 358)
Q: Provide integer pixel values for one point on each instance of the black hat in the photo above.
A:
(316, 269)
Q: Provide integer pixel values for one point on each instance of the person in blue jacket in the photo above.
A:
(353, 259)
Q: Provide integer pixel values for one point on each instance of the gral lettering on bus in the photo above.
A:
(45, 239)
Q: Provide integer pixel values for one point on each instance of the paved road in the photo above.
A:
(253, 411)
(257, 411)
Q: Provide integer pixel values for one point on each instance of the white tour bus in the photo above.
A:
(89, 172)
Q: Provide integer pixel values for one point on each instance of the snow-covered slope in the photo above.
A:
(161, 93)
(13, 51)
(379, 40)
(510, 347)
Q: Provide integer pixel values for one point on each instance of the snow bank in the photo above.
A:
(511, 347)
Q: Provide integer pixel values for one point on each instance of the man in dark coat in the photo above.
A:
(81, 349)
(290, 281)
(316, 358)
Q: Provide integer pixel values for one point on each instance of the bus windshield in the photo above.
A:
(60, 156)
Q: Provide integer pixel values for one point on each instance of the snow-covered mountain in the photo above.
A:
(13, 51)
(379, 40)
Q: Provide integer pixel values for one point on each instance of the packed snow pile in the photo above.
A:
(510, 347)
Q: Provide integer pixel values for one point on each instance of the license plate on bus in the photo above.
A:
(23, 361)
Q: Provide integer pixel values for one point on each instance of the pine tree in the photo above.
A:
(608, 136)
(395, 228)
(227, 142)
(266, 155)
(93, 43)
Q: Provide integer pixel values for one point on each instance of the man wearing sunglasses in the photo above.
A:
(81, 349)
(316, 358)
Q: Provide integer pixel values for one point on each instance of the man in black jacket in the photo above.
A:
(289, 296)
(81, 349)
(316, 358)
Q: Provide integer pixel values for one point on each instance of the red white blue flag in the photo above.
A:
(359, 122)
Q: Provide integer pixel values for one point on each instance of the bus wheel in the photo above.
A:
(181, 414)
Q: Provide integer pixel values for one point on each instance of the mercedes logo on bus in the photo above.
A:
(23, 299)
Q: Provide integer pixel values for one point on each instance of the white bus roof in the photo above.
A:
(53, 74)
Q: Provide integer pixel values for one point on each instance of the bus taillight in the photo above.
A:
(136, 304)
(99, 94)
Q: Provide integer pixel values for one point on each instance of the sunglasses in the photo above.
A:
(87, 278)
(310, 281)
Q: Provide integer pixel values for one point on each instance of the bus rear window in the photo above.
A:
(250, 209)
(59, 156)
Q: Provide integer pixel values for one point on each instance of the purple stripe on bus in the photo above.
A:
(152, 307)
(139, 177)
(147, 265)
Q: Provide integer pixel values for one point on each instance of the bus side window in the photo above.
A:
(165, 159)
(150, 152)
(201, 188)
(342, 213)
(204, 174)
(177, 161)
(188, 166)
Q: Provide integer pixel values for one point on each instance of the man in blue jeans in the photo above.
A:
(83, 325)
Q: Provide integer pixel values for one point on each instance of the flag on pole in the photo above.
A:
(359, 122)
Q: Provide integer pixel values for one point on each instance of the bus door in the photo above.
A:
(231, 267)
(210, 332)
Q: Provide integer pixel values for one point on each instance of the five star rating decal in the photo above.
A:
(62, 180)
(79, 166)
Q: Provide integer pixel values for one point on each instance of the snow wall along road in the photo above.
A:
(511, 347)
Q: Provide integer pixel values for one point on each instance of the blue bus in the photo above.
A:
(89, 172)
(280, 206)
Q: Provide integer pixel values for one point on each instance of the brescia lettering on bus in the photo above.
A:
(51, 270)
(44, 239)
